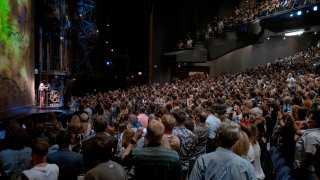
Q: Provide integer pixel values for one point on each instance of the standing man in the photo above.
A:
(41, 170)
(223, 163)
(154, 161)
(106, 168)
(70, 163)
(213, 123)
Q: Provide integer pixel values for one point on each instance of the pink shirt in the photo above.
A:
(143, 119)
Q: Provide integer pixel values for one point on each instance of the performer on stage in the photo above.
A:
(42, 93)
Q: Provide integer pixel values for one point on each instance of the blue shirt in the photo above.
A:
(213, 123)
(222, 164)
(15, 160)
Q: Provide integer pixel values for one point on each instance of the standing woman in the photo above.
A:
(42, 93)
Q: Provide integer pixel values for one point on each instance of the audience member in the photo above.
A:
(153, 161)
(223, 163)
(17, 156)
(70, 163)
(40, 168)
(106, 169)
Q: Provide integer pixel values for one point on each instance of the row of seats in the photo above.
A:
(283, 172)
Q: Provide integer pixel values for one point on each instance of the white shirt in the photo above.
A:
(49, 172)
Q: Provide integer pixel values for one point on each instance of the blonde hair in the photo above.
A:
(241, 147)
(127, 135)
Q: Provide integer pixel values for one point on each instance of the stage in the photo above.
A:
(36, 112)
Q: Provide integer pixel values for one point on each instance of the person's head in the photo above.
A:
(102, 147)
(169, 122)
(155, 131)
(202, 116)
(142, 109)
(52, 137)
(260, 124)
(247, 104)
(127, 135)
(52, 117)
(255, 113)
(302, 113)
(41, 86)
(242, 145)
(64, 139)
(40, 148)
(17, 138)
(132, 120)
(228, 134)
(251, 131)
(84, 117)
(100, 123)
(175, 103)
(314, 119)
(189, 124)
(180, 115)
(287, 100)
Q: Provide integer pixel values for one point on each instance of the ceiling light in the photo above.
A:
(294, 33)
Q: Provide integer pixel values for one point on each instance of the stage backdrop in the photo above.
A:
(16, 54)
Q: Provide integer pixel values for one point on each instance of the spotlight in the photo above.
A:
(107, 42)
(291, 15)
(299, 13)
(284, 38)
(315, 8)
(307, 11)
(97, 31)
(111, 50)
(61, 38)
(139, 73)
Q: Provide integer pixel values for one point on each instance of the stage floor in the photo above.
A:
(21, 113)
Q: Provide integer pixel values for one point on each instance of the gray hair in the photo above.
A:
(229, 133)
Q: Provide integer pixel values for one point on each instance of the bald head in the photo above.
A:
(155, 131)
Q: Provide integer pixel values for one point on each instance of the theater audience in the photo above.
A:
(255, 96)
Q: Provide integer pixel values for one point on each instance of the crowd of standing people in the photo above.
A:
(203, 127)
